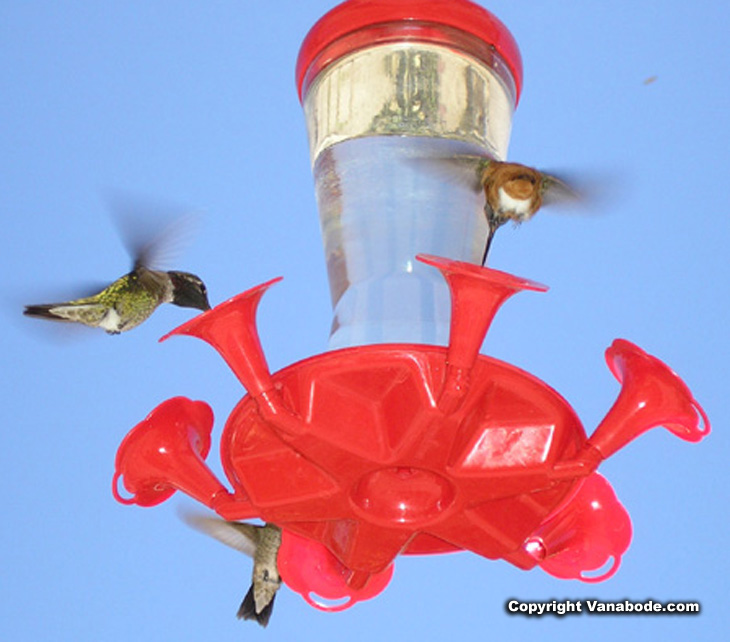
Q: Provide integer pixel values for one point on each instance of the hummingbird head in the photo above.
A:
(188, 291)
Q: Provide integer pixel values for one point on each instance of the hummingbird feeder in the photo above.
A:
(402, 438)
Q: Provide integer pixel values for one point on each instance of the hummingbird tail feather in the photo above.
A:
(43, 312)
(247, 610)
(265, 615)
(92, 314)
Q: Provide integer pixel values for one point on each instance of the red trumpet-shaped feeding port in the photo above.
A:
(667, 402)
(309, 569)
(588, 531)
(173, 440)
(363, 454)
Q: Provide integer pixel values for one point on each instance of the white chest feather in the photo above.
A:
(111, 321)
(517, 207)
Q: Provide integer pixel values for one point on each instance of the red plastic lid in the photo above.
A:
(350, 16)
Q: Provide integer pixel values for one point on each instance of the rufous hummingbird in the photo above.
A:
(515, 192)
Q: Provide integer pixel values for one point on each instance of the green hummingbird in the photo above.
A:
(132, 298)
(259, 542)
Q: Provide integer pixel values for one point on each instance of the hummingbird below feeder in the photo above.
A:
(259, 542)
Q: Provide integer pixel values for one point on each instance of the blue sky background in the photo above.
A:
(195, 104)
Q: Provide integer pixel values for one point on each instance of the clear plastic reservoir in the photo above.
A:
(385, 123)
(381, 203)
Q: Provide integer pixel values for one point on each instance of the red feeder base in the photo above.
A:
(366, 453)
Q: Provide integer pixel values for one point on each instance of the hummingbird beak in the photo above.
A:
(191, 298)
(490, 236)
(494, 224)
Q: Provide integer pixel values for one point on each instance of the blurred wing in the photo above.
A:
(591, 193)
(154, 233)
(560, 191)
(237, 535)
(459, 169)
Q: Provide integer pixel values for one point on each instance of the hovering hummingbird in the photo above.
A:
(132, 298)
(259, 542)
(512, 192)
(515, 192)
